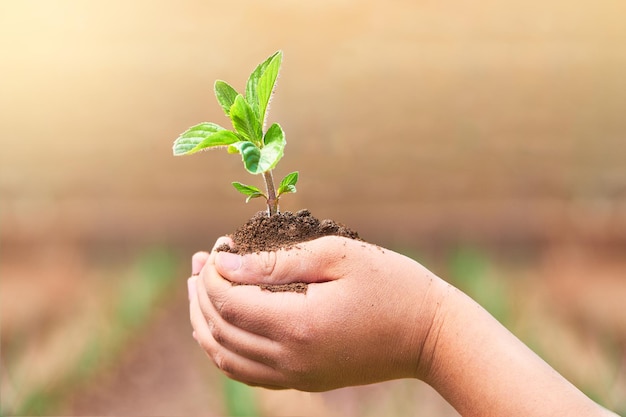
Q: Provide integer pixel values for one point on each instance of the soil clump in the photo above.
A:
(263, 233)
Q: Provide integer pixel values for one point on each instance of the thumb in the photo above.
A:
(309, 262)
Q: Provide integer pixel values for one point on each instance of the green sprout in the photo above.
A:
(260, 149)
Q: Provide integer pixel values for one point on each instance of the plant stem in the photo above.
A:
(272, 200)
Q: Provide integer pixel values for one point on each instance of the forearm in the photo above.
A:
(482, 369)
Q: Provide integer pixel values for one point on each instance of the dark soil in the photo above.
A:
(283, 231)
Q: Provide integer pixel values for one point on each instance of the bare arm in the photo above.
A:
(369, 315)
(483, 370)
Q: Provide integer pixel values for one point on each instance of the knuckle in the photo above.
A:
(226, 366)
(303, 331)
(233, 313)
(228, 313)
(217, 298)
(267, 263)
(217, 334)
(220, 361)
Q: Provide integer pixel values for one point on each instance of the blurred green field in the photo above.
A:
(486, 140)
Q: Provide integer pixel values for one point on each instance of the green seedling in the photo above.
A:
(260, 148)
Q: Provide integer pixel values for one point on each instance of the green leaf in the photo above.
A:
(248, 190)
(259, 160)
(201, 136)
(288, 184)
(273, 147)
(250, 154)
(245, 120)
(253, 96)
(225, 95)
(267, 81)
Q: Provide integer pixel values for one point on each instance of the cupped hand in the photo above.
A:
(365, 318)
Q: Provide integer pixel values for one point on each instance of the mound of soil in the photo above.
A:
(263, 233)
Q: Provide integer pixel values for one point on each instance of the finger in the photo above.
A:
(197, 262)
(248, 344)
(313, 261)
(223, 241)
(264, 313)
(220, 242)
(234, 365)
(199, 259)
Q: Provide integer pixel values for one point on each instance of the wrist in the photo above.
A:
(435, 308)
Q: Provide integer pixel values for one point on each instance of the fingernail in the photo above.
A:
(228, 261)
(191, 287)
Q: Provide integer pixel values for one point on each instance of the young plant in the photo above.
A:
(260, 149)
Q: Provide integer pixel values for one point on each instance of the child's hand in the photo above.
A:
(365, 317)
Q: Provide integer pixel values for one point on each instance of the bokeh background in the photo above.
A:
(485, 139)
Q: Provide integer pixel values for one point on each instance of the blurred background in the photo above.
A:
(485, 139)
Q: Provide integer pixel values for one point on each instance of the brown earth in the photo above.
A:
(283, 231)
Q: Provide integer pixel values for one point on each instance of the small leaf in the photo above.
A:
(201, 136)
(248, 190)
(252, 95)
(245, 120)
(259, 160)
(225, 95)
(273, 147)
(217, 139)
(250, 154)
(288, 184)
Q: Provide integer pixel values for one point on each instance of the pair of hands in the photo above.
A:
(366, 317)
